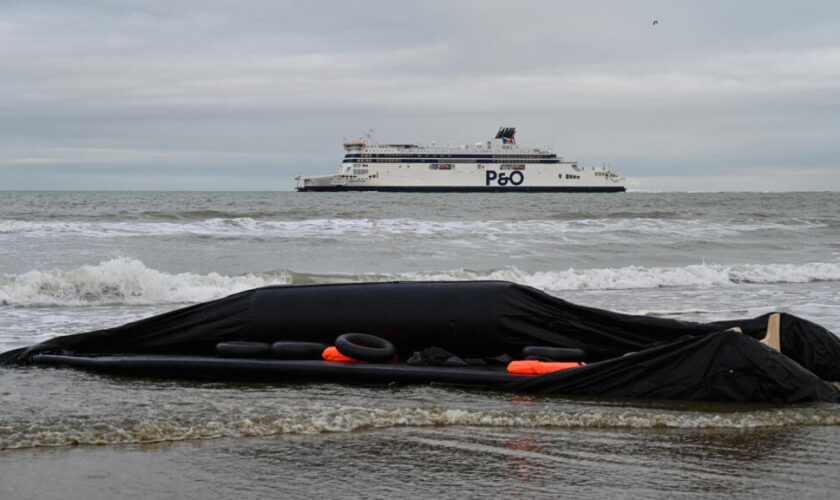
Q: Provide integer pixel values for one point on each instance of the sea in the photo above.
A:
(78, 261)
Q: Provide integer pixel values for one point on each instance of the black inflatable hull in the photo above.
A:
(271, 370)
(627, 355)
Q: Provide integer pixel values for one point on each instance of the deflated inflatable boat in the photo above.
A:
(462, 333)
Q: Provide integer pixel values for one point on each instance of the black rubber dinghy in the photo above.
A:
(479, 323)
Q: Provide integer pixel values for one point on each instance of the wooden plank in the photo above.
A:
(773, 337)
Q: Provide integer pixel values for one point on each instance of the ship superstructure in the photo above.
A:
(498, 164)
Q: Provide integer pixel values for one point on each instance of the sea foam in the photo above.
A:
(121, 281)
(130, 281)
(228, 227)
(162, 427)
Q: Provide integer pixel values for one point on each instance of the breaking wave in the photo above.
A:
(160, 428)
(129, 281)
(227, 227)
(122, 281)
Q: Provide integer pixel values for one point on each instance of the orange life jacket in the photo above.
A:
(332, 354)
(528, 367)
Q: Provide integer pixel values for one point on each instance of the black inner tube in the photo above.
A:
(550, 353)
(290, 349)
(242, 349)
(365, 347)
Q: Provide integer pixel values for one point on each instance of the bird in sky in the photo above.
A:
(655, 22)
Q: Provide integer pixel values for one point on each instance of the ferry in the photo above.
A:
(498, 164)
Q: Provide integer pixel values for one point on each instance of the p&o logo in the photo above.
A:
(514, 178)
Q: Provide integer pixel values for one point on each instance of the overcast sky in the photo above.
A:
(146, 94)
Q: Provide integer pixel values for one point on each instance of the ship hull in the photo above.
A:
(468, 189)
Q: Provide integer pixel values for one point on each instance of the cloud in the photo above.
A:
(710, 87)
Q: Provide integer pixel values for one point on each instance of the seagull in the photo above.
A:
(655, 22)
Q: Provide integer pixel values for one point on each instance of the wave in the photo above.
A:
(129, 281)
(122, 281)
(163, 428)
(227, 227)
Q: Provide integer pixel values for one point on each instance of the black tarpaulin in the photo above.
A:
(721, 366)
(474, 319)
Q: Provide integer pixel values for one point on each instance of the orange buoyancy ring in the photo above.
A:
(332, 354)
(528, 367)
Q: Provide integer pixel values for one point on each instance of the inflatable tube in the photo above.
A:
(241, 349)
(539, 358)
(365, 347)
(279, 370)
(297, 350)
(550, 353)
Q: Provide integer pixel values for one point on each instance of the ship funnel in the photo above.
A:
(506, 133)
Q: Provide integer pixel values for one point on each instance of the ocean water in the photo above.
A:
(77, 261)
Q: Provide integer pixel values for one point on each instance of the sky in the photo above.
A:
(248, 94)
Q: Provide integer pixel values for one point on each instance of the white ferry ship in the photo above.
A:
(498, 164)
